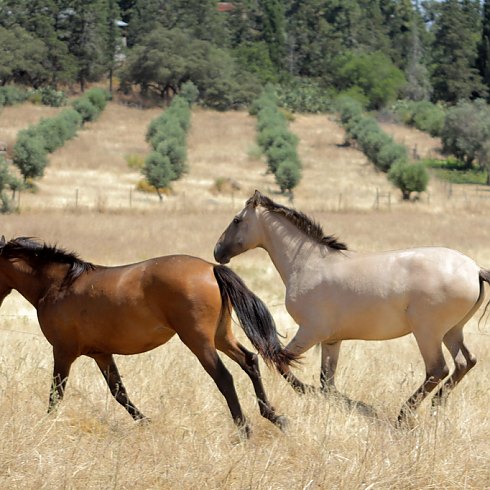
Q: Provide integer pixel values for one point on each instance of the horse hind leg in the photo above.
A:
(111, 374)
(249, 362)
(436, 370)
(205, 351)
(463, 359)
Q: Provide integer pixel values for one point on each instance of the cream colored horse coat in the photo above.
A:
(334, 294)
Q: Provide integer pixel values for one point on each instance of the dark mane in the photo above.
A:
(42, 254)
(303, 222)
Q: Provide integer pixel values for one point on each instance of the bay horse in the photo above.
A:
(98, 311)
(335, 294)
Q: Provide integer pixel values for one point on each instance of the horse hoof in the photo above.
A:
(282, 422)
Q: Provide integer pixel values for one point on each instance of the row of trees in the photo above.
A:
(277, 143)
(30, 152)
(167, 135)
(380, 148)
(375, 50)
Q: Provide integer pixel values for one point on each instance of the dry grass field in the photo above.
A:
(91, 443)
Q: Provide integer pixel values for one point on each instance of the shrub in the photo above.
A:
(98, 97)
(275, 139)
(303, 95)
(30, 155)
(48, 96)
(390, 154)
(70, 120)
(189, 92)
(158, 171)
(409, 178)
(12, 95)
(280, 151)
(86, 109)
(288, 175)
(52, 132)
(167, 135)
(175, 150)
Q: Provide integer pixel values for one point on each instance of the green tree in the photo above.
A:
(155, 65)
(484, 48)
(84, 24)
(466, 132)
(158, 171)
(374, 74)
(30, 155)
(21, 57)
(409, 178)
(457, 32)
(288, 175)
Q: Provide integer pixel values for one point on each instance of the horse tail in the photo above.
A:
(254, 318)
(484, 276)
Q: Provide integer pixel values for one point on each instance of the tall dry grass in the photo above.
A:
(90, 442)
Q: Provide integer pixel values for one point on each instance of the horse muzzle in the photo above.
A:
(219, 256)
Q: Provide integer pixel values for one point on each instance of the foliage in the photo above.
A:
(11, 95)
(158, 171)
(409, 177)
(456, 36)
(466, 132)
(34, 143)
(155, 65)
(189, 92)
(91, 104)
(277, 143)
(374, 75)
(6, 180)
(303, 95)
(167, 135)
(424, 115)
(456, 172)
(288, 175)
(48, 96)
(29, 155)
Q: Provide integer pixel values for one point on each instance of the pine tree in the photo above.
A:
(484, 48)
(457, 28)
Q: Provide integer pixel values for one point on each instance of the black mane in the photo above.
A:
(42, 254)
(303, 222)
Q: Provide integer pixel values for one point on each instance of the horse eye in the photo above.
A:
(236, 221)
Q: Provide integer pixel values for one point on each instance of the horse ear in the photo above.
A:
(256, 198)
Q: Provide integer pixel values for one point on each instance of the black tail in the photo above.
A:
(254, 317)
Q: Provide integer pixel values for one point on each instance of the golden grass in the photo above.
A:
(191, 442)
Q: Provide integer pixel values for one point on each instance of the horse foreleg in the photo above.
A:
(61, 370)
(300, 343)
(113, 378)
(330, 357)
(249, 362)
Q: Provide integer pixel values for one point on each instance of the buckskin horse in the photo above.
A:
(334, 294)
(98, 311)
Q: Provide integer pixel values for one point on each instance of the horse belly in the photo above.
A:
(373, 323)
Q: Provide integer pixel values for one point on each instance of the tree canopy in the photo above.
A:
(379, 49)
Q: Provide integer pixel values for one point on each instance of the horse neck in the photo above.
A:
(288, 247)
(32, 283)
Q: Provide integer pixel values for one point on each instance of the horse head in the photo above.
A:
(242, 234)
